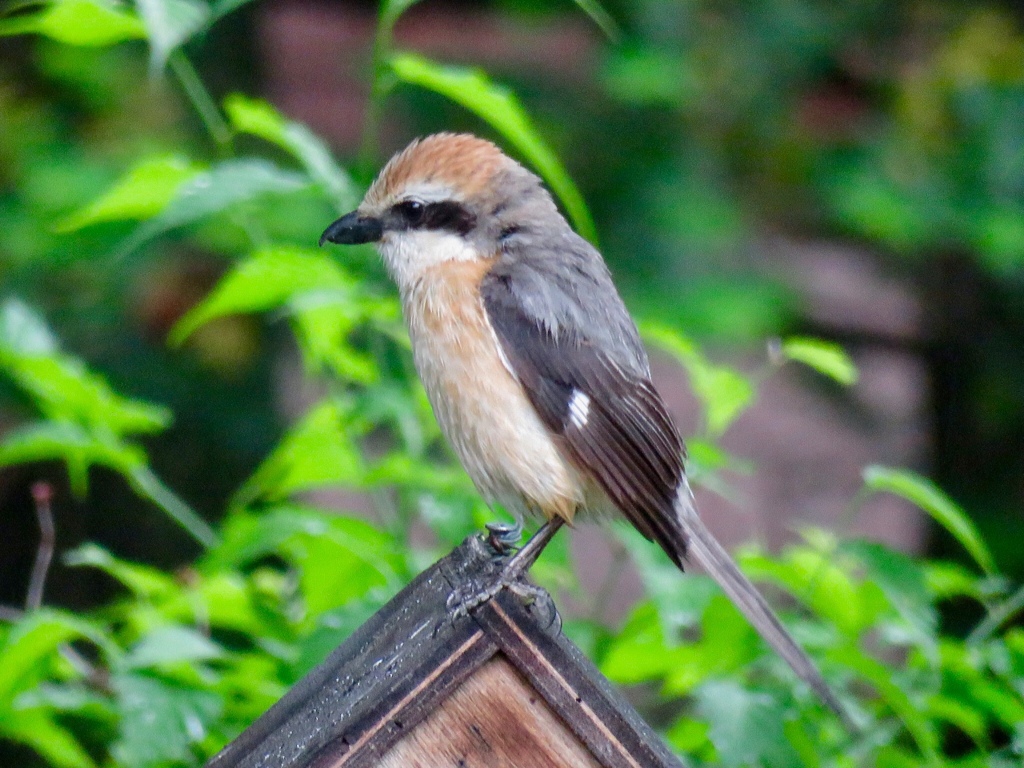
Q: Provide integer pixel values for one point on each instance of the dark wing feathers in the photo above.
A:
(561, 336)
(587, 344)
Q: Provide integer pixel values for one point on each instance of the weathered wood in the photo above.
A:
(570, 683)
(494, 719)
(417, 675)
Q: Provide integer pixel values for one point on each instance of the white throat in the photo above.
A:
(407, 255)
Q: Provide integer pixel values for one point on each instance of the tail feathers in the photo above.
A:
(700, 546)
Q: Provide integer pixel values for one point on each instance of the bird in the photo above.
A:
(532, 364)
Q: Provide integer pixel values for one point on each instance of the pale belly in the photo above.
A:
(480, 408)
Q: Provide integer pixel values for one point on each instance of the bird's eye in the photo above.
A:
(411, 211)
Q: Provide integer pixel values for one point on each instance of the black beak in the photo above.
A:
(353, 229)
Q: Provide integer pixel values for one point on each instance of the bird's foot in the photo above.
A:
(505, 572)
(503, 537)
(475, 593)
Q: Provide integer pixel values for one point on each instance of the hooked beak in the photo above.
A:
(353, 229)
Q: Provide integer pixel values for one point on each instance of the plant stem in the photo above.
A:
(382, 84)
(996, 617)
(42, 495)
(149, 485)
(201, 100)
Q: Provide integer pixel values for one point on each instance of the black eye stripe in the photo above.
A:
(445, 215)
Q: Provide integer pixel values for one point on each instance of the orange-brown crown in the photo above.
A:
(460, 161)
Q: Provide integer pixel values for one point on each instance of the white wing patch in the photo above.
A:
(579, 408)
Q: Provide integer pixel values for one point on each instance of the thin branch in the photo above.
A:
(42, 496)
(150, 486)
(996, 617)
(201, 100)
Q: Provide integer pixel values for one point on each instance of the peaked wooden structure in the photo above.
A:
(420, 687)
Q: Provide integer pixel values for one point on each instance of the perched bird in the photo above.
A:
(532, 364)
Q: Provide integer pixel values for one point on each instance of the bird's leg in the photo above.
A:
(521, 561)
(502, 537)
(474, 594)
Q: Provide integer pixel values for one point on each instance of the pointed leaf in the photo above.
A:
(23, 331)
(260, 119)
(36, 728)
(502, 111)
(142, 192)
(159, 721)
(826, 357)
(747, 728)
(601, 18)
(169, 24)
(225, 185)
(142, 580)
(266, 280)
(316, 452)
(172, 644)
(929, 497)
(724, 392)
(63, 441)
(77, 22)
(63, 388)
(33, 640)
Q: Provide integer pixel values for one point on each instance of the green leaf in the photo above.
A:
(894, 695)
(261, 119)
(903, 582)
(169, 24)
(340, 558)
(728, 643)
(343, 560)
(681, 602)
(143, 581)
(31, 642)
(224, 7)
(724, 392)
(225, 185)
(502, 111)
(266, 280)
(37, 729)
(142, 192)
(999, 240)
(77, 22)
(639, 652)
(63, 441)
(60, 385)
(746, 728)
(826, 357)
(391, 11)
(160, 721)
(929, 497)
(601, 18)
(947, 580)
(820, 580)
(63, 388)
(172, 644)
(316, 452)
(23, 332)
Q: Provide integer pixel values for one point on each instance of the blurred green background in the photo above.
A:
(707, 138)
(696, 130)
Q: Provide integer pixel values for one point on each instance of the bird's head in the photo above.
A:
(447, 197)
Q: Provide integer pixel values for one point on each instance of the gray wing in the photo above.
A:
(566, 335)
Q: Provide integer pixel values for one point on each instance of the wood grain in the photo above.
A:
(495, 719)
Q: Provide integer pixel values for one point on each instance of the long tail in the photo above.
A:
(700, 546)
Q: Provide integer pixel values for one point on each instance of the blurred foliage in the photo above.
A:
(112, 211)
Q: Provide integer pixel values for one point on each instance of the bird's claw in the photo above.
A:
(471, 595)
(503, 537)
